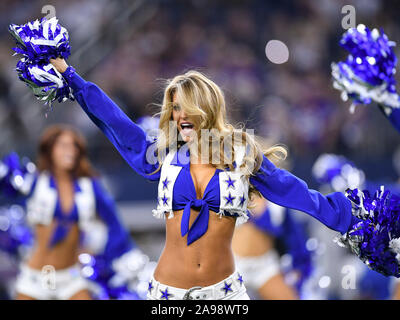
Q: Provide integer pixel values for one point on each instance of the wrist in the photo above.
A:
(73, 79)
(68, 73)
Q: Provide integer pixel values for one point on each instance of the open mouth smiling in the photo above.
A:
(186, 125)
(186, 128)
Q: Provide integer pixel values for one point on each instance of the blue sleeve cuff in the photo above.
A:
(74, 80)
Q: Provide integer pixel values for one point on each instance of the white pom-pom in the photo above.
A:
(394, 245)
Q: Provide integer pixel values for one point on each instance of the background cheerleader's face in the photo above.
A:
(185, 125)
(65, 152)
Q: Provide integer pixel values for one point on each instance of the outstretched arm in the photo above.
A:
(125, 135)
(283, 188)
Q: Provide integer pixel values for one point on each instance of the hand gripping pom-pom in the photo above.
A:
(368, 74)
(46, 83)
(375, 239)
(38, 42)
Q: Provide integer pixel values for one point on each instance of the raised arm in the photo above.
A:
(283, 188)
(125, 135)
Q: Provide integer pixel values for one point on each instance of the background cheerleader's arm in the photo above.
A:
(283, 188)
(125, 135)
(120, 252)
(118, 239)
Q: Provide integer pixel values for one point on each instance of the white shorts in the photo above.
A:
(231, 288)
(50, 284)
(257, 270)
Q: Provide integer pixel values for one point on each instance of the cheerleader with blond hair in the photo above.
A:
(202, 199)
(205, 180)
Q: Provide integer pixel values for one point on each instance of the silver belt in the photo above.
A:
(187, 295)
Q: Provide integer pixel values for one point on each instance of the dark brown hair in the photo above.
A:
(82, 167)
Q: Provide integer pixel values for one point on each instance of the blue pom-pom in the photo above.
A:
(41, 40)
(337, 172)
(37, 42)
(46, 83)
(375, 239)
(99, 271)
(14, 230)
(14, 174)
(368, 74)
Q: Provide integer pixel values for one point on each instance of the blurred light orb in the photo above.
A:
(371, 60)
(4, 223)
(277, 52)
(361, 28)
(286, 261)
(85, 258)
(16, 212)
(18, 181)
(312, 244)
(324, 282)
(3, 170)
(87, 271)
(338, 183)
(31, 167)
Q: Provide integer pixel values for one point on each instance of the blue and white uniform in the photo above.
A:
(227, 191)
(43, 207)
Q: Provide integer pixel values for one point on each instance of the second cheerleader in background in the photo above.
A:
(62, 200)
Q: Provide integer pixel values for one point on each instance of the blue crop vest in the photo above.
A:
(225, 194)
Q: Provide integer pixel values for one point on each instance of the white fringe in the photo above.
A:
(241, 219)
(160, 213)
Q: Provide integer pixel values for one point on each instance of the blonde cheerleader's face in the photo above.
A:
(65, 152)
(186, 127)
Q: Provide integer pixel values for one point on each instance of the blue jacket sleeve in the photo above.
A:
(125, 135)
(285, 189)
(118, 240)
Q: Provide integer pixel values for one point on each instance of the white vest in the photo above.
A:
(41, 205)
(239, 192)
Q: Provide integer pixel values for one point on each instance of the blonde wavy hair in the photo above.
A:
(204, 103)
